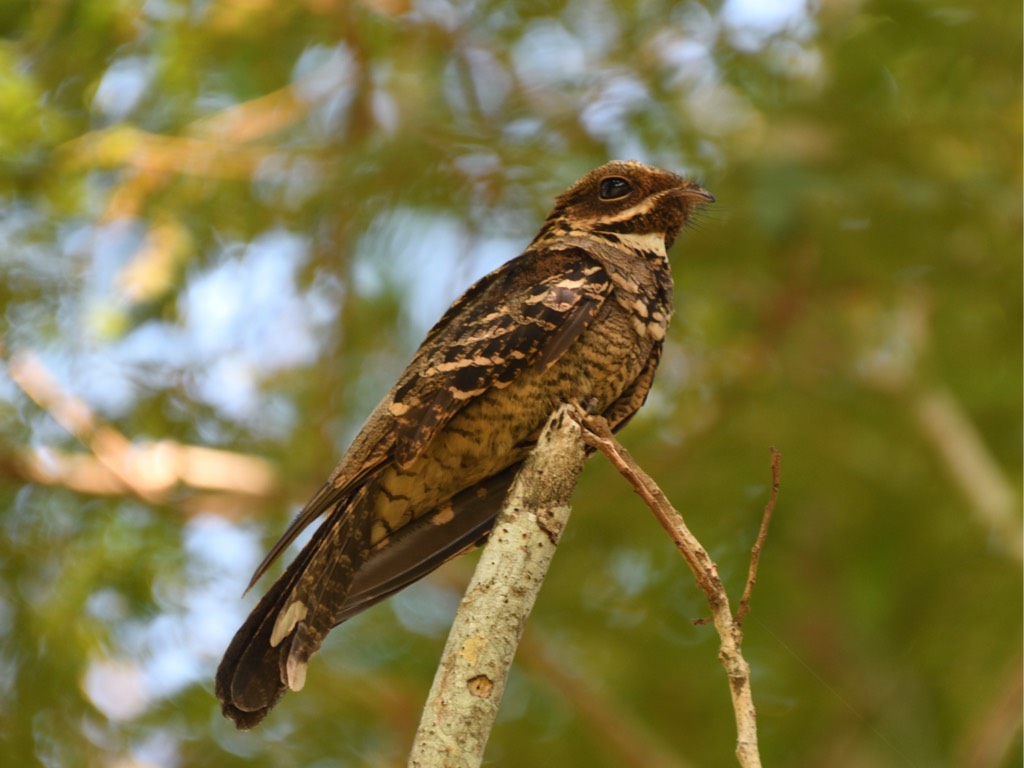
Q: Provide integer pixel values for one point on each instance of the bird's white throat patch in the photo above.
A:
(649, 242)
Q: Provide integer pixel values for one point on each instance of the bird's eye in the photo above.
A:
(615, 187)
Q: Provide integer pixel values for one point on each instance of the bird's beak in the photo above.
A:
(695, 194)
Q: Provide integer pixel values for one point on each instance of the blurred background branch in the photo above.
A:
(117, 465)
(972, 467)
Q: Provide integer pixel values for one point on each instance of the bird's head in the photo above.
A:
(628, 197)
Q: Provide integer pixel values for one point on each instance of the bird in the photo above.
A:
(580, 316)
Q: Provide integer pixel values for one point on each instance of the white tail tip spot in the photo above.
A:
(286, 621)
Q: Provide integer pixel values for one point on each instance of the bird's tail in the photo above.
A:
(336, 576)
(269, 654)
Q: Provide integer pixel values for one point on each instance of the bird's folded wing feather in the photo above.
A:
(503, 325)
(527, 313)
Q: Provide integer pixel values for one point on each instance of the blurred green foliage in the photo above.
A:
(227, 224)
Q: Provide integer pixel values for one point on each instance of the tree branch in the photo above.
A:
(463, 701)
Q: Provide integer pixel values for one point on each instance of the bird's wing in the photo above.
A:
(505, 324)
(420, 546)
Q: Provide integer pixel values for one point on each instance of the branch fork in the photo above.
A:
(467, 689)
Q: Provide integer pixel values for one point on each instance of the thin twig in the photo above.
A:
(598, 435)
(755, 552)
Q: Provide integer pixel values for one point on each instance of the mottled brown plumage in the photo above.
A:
(579, 316)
